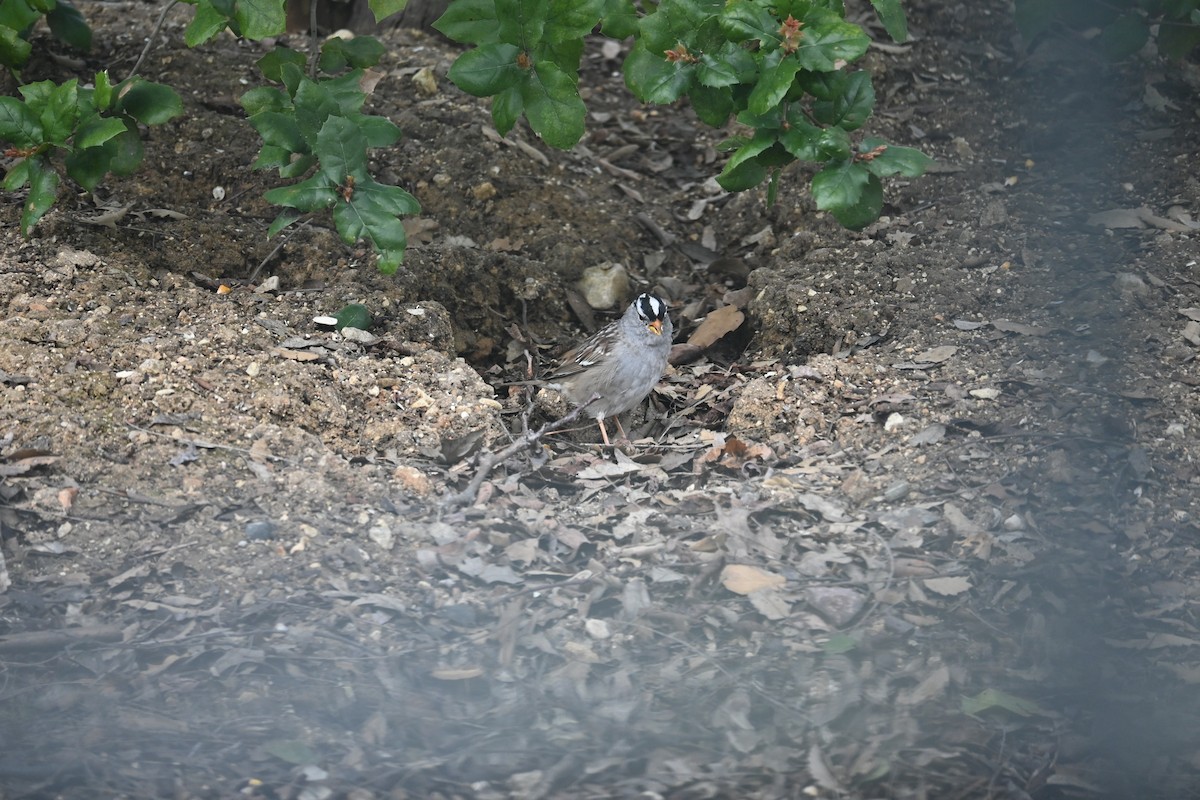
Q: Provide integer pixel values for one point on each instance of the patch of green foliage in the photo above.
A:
(317, 127)
(780, 67)
(92, 129)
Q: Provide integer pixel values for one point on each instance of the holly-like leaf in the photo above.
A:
(14, 51)
(891, 14)
(69, 26)
(314, 194)
(744, 20)
(259, 19)
(894, 160)
(773, 83)
(850, 193)
(359, 52)
(149, 103)
(361, 218)
(507, 108)
(522, 21)
(96, 131)
(102, 91)
(851, 100)
(619, 19)
(271, 64)
(61, 112)
(43, 185)
(553, 106)
(653, 78)
(826, 39)
(206, 23)
(18, 124)
(572, 19)
(488, 69)
(470, 21)
(17, 176)
(342, 150)
(385, 8)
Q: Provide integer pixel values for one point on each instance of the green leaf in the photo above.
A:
(43, 184)
(619, 19)
(61, 112)
(97, 131)
(300, 165)
(1176, 41)
(894, 160)
(69, 26)
(279, 129)
(314, 105)
(488, 69)
(732, 64)
(14, 51)
(285, 218)
(850, 102)
(652, 78)
(745, 175)
(761, 140)
(37, 95)
(18, 124)
(994, 698)
(712, 106)
(891, 14)
(314, 194)
(362, 219)
(259, 19)
(42, 6)
(342, 150)
(773, 84)
(1124, 36)
(89, 166)
(206, 23)
(149, 103)
(379, 132)
(553, 106)
(359, 52)
(273, 60)
(826, 38)
(272, 157)
(124, 152)
(388, 261)
(850, 193)
(18, 15)
(392, 199)
(265, 98)
(803, 139)
(17, 176)
(743, 20)
(676, 21)
(507, 108)
(102, 91)
(385, 8)
(470, 21)
(572, 19)
(522, 21)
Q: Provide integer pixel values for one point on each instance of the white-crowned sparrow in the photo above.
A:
(619, 364)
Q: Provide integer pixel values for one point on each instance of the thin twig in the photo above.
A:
(162, 18)
(295, 228)
(489, 462)
(313, 48)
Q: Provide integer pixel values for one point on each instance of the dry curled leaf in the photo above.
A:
(717, 324)
(744, 579)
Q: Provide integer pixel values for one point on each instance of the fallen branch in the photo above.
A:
(489, 462)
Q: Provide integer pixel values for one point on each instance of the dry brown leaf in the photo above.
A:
(718, 323)
(948, 587)
(744, 579)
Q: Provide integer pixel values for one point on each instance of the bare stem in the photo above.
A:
(489, 462)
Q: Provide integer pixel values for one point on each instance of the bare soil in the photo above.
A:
(923, 525)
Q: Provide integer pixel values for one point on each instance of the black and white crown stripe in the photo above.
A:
(650, 307)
